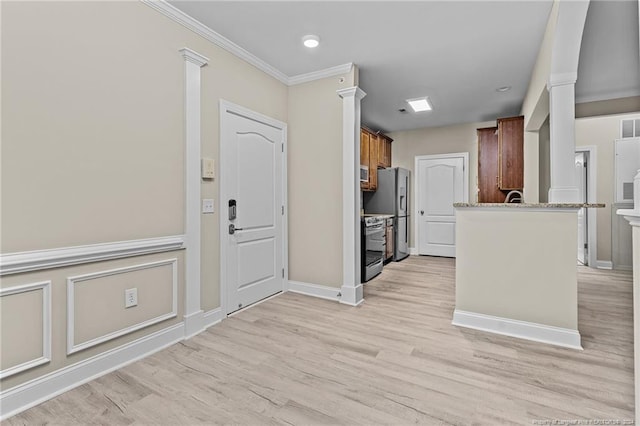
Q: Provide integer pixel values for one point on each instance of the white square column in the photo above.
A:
(564, 188)
(351, 290)
(193, 313)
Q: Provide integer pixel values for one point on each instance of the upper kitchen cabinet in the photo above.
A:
(384, 151)
(488, 179)
(375, 153)
(374, 146)
(364, 156)
(511, 153)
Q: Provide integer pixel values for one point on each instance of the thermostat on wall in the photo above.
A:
(208, 171)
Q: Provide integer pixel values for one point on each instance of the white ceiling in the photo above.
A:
(455, 52)
(609, 64)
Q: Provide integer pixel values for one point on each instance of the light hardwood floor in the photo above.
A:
(396, 359)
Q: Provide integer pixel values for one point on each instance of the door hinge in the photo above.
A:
(586, 246)
(282, 272)
(282, 209)
(282, 147)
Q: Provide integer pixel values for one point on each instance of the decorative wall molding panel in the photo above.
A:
(45, 286)
(521, 329)
(73, 347)
(28, 261)
(34, 392)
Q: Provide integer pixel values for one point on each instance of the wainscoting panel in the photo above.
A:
(25, 318)
(96, 302)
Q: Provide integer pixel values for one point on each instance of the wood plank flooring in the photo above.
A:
(394, 360)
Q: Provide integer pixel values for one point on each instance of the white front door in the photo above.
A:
(252, 210)
(581, 182)
(440, 183)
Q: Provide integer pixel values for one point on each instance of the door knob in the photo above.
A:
(233, 229)
(421, 212)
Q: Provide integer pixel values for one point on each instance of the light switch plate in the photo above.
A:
(208, 168)
(207, 205)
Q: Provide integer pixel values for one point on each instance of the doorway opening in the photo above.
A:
(586, 181)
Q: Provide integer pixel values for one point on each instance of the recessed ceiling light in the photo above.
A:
(503, 89)
(420, 104)
(311, 41)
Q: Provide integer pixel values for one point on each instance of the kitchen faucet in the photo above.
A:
(518, 199)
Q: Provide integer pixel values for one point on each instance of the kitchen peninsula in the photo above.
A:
(526, 285)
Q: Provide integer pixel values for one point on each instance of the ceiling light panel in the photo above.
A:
(420, 104)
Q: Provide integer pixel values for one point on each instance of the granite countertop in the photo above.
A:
(533, 206)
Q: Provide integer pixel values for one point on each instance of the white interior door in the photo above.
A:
(581, 181)
(253, 205)
(441, 182)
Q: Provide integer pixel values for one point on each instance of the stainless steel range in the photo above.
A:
(373, 247)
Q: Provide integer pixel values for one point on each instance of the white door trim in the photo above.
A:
(592, 197)
(223, 197)
(193, 313)
(416, 190)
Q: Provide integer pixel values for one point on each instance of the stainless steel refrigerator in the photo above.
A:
(392, 197)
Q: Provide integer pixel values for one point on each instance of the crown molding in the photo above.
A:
(316, 75)
(202, 30)
(199, 28)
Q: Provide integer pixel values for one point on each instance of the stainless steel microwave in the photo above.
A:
(364, 173)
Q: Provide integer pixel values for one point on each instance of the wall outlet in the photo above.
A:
(130, 297)
(207, 205)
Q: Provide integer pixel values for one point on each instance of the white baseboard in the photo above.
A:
(352, 296)
(565, 337)
(604, 264)
(315, 290)
(36, 391)
(212, 317)
(413, 251)
(193, 324)
(624, 268)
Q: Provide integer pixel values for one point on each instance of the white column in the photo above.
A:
(193, 314)
(633, 216)
(564, 188)
(351, 290)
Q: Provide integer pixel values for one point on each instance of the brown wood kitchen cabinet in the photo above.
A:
(488, 189)
(511, 153)
(388, 234)
(375, 153)
(500, 159)
(364, 155)
(384, 151)
(373, 161)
